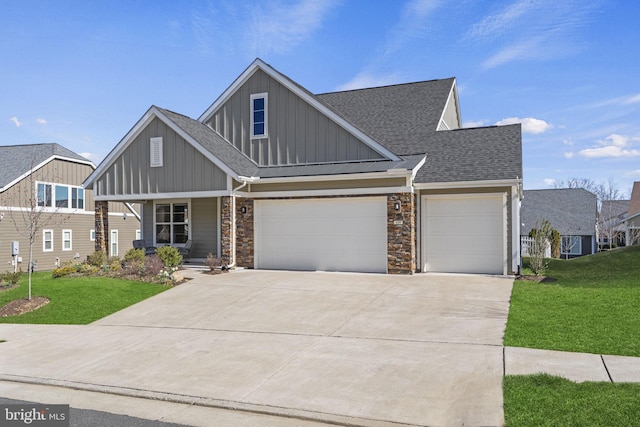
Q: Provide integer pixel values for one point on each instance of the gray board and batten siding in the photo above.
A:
(297, 132)
(184, 168)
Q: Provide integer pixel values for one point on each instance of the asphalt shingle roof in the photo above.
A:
(400, 117)
(17, 160)
(571, 211)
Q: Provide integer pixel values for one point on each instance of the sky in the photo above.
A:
(81, 73)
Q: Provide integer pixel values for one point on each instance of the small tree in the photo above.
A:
(29, 213)
(540, 233)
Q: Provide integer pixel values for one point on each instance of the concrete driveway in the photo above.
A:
(356, 349)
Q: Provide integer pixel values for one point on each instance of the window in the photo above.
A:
(172, 223)
(77, 198)
(44, 195)
(114, 243)
(59, 196)
(92, 235)
(156, 152)
(259, 115)
(62, 196)
(66, 240)
(138, 235)
(47, 240)
(571, 245)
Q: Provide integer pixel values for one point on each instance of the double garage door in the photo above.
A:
(328, 234)
(459, 234)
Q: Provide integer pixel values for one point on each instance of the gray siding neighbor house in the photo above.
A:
(632, 219)
(272, 176)
(52, 176)
(571, 211)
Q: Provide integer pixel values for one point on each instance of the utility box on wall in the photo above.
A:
(15, 248)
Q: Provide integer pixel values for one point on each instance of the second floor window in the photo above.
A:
(259, 115)
(60, 196)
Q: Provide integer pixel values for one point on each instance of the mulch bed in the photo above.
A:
(537, 279)
(21, 306)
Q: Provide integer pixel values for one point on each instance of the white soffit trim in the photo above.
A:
(341, 177)
(136, 198)
(310, 99)
(326, 192)
(43, 163)
(466, 184)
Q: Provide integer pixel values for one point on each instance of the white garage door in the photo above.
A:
(341, 234)
(464, 233)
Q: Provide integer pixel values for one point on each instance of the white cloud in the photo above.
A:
(549, 181)
(633, 99)
(95, 158)
(364, 79)
(633, 173)
(569, 155)
(474, 124)
(529, 124)
(614, 145)
(15, 121)
(41, 121)
(493, 25)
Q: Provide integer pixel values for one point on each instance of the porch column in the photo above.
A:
(102, 226)
(401, 233)
(226, 228)
(244, 232)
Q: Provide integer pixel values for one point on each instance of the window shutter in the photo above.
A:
(156, 152)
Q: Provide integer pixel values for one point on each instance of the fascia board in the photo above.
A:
(341, 177)
(325, 192)
(216, 161)
(152, 113)
(631, 216)
(286, 82)
(466, 184)
(43, 163)
(136, 198)
(120, 147)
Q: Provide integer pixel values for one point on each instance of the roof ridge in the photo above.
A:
(386, 86)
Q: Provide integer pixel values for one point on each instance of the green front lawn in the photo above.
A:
(77, 300)
(543, 400)
(592, 307)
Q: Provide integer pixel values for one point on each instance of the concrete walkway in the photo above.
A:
(291, 348)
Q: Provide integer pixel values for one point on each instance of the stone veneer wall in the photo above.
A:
(244, 233)
(102, 226)
(401, 233)
(226, 246)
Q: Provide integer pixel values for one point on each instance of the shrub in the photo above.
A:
(64, 270)
(555, 243)
(88, 269)
(153, 265)
(213, 262)
(134, 256)
(97, 259)
(10, 277)
(169, 256)
(540, 234)
(115, 264)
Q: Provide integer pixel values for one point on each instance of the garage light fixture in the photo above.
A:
(243, 209)
(396, 205)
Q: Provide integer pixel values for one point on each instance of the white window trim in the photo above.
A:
(264, 95)
(577, 245)
(156, 158)
(92, 235)
(112, 241)
(53, 207)
(171, 202)
(44, 240)
(70, 248)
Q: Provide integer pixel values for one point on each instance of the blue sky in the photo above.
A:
(81, 73)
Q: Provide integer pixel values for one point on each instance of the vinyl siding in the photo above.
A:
(325, 185)
(184, 168)
(450, 115)
(205, 227)
(297, 132)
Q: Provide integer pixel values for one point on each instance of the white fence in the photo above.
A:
(526, 242)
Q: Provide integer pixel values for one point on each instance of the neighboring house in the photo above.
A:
(53, 175)
(632, 219)
(272, 176)
(611, 227)
(573, 212)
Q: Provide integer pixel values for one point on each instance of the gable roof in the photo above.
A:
(18, 161)
(401, 117)
(301, 92)
(571, 211)
(634, 203)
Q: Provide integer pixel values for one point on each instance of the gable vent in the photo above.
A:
(156, 152)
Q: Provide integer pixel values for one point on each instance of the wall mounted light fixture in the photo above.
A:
(396, 205)
(243, 209)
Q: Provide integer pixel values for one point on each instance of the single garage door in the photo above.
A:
(329, 234)
(464, 233)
